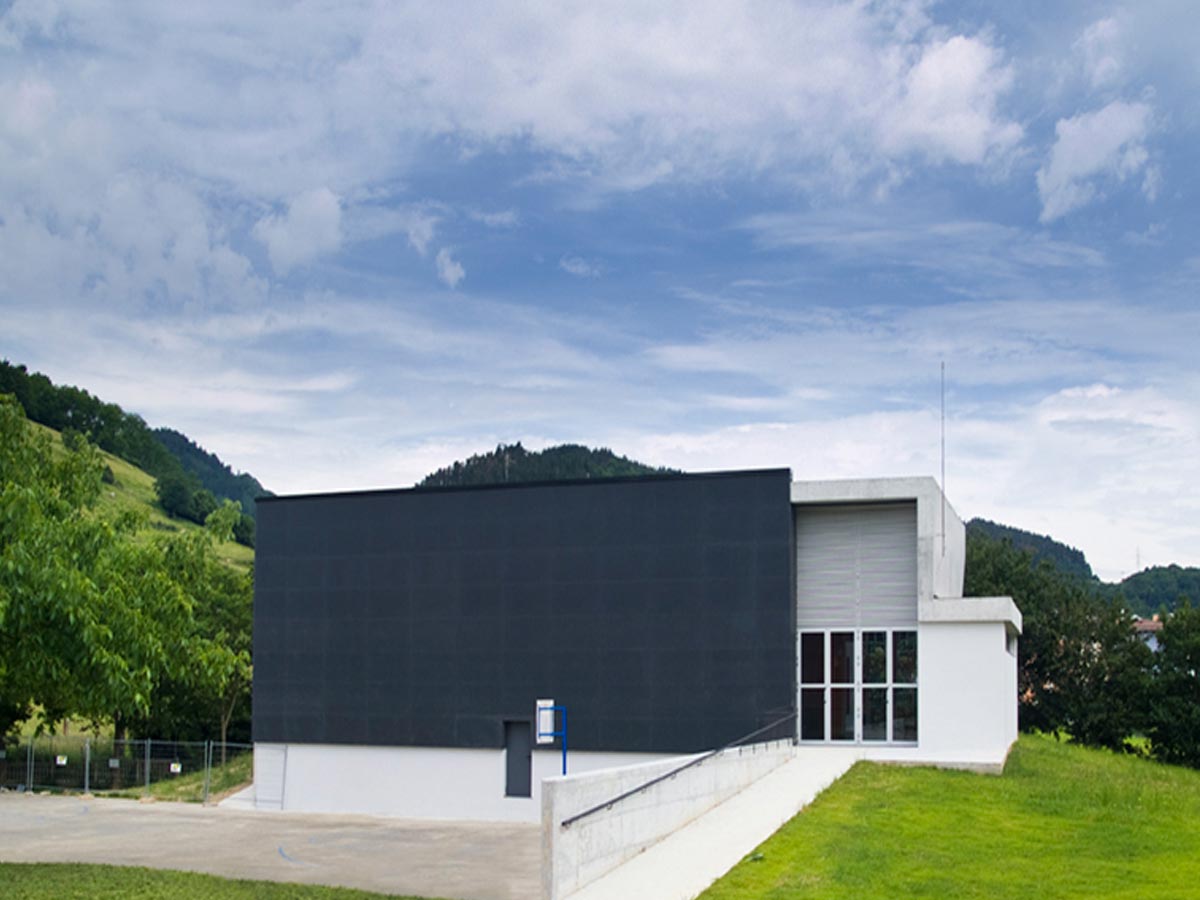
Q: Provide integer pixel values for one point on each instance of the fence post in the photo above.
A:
(29, 766)
(147, 764)
(207, 768)
(87, 764)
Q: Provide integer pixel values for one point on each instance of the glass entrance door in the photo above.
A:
(858, 686)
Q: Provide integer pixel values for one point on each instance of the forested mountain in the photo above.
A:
(1066, 559)
(513, 463)
(163, 452)
(1161, 586)
(214, 475)
(70, 409)
(1145, 593)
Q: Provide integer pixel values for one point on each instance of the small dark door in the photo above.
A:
(518, 759)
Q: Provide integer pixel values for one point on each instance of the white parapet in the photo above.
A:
(580, 852)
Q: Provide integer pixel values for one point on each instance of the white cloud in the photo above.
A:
(221, 104)
(504, 218)
(348, 95)
(449, 270)
(369, 220)
(1109, 143)
(635, 95)
(420, 229)
(311, 228)
(26, 107)
(975, 258)
(949, 106)
(1108, 470)
(1100, 51)
(580, 267)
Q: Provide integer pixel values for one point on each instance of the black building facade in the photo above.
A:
(659, 610)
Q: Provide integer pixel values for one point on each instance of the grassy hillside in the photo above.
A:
(134, 489)
(1062, 822)
(163, 452)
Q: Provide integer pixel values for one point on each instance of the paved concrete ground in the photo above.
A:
(466, 860)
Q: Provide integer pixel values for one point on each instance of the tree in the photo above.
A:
(214, 687)
(1081, 668)
(96, 620)
(1174, 708)
(244, 531)
(85, 613)
(174, 495)
(203, 504)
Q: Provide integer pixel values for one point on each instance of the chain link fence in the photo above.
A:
(176, 770)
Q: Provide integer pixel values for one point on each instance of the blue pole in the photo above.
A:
(564, 737)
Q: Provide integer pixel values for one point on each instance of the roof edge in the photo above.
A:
(519, 485)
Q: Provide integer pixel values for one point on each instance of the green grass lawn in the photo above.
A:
(1061, 822)
(68, 881)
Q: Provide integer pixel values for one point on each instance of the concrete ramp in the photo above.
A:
(684, 864)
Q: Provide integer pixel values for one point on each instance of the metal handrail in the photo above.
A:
(608, 804)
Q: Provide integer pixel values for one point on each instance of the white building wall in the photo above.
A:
(966, 695)
(967, 685)
(410, 782)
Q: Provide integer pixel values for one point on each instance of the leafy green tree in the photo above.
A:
(174, 494)
(213, 689)
(1174, 708)
(96, 620)
(203, 505)
(85, 613)
(1081, 668)
(244, 531)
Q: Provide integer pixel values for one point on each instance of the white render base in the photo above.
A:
(967, 683)
(410, 782)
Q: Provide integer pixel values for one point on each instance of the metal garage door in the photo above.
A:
(856, 565)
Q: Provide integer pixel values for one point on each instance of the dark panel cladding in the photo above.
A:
(658, 610)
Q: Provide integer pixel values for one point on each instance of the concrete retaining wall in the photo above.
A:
(578, 854)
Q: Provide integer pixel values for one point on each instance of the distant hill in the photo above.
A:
(1066, 559)
(510, 463)
(1152, 589)
(214, 475)
(161, 453)
(1145, 593)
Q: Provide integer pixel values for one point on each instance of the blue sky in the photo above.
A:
(344, 244)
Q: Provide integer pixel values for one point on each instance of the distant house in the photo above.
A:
(1147, 630)
(403, 637)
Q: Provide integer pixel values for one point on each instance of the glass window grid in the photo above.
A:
(859, 684)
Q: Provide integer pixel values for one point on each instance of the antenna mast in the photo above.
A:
(943, 457)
